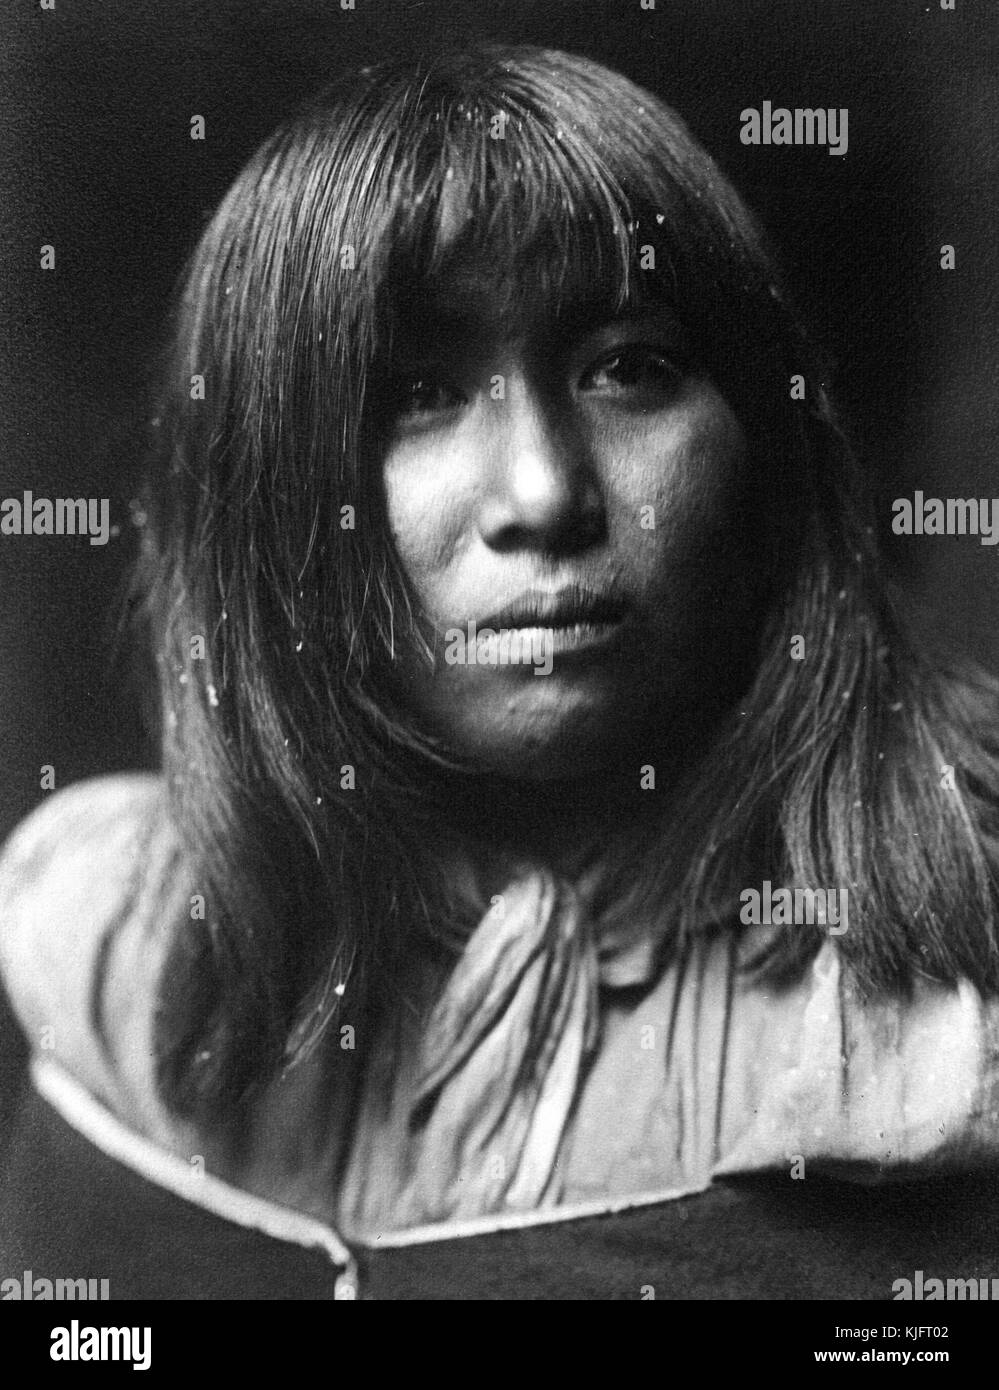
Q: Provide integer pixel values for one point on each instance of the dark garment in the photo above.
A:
(68, 1210)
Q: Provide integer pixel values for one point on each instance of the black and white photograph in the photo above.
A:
(499, 702)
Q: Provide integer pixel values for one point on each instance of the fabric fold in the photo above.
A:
(505, 1048)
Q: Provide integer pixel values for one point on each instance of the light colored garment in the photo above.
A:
(554, 1067)
(633, 1084)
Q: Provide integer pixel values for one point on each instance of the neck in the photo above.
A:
(565, 824)
(598, 817)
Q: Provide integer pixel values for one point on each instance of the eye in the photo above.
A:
(415, 397)
(635, 370)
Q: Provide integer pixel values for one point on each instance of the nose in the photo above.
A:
(543, 490)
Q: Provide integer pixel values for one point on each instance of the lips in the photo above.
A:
(568, 607)
(572, 624)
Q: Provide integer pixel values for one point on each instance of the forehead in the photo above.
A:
(472, 299)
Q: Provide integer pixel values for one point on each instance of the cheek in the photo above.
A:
(712, 454)
(426, 509)
(688, 478)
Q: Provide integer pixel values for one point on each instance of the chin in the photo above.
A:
(573, 739)
(551, 762)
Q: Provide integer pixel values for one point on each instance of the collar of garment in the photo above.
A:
(527, 1086)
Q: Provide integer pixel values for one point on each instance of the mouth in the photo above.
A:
(571, 620)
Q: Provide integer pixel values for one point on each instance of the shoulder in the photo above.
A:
(89, 887)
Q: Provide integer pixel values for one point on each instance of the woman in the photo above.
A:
(414, 930)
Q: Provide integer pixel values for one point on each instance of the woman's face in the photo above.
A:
(577, 486)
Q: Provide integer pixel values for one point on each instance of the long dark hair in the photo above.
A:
(299, 787)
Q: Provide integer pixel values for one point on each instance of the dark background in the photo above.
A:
(96, 159)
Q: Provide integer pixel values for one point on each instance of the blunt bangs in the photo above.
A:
(507, 160)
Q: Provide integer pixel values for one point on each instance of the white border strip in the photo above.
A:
(518, 1220)
(95, 1122)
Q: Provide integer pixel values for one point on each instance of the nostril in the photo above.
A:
(576, 522)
